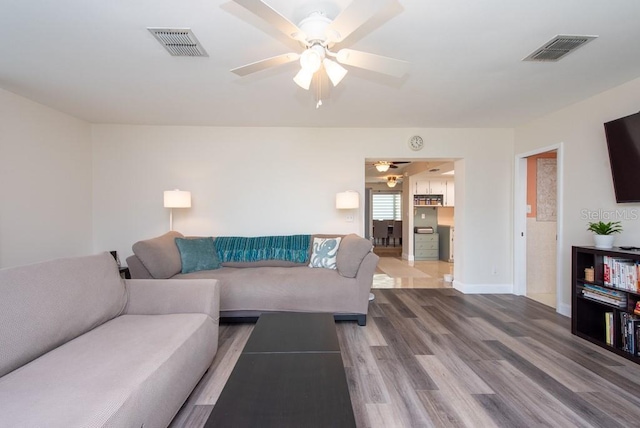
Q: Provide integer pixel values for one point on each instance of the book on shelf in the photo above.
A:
(605, 295)
(630, 325)
(620, 273)
(608, 324)
(605, 290)
(606, 270)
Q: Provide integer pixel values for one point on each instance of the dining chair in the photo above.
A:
(396, 233)
(381, 231)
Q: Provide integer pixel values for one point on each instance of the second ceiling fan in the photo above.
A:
(318, 35)
(383, 166)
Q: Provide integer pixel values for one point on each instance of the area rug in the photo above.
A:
(396, 268)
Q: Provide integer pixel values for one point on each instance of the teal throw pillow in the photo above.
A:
(197, 254)
(325, 252)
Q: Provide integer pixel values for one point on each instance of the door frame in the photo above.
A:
(520, 224)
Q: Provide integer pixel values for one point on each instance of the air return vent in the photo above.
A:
(178, 41)
(558, 47)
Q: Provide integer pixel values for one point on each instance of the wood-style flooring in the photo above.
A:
(436, 357)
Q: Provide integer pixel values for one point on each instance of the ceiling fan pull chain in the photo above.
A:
(318, 92)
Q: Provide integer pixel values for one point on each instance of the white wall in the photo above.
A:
(260, 181)
(72, 188)
(45, 171)
(587, 183)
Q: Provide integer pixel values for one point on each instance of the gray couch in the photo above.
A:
(81, 347)
(250, 288)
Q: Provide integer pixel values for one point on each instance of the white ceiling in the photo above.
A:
(433, 168)
(95, 60)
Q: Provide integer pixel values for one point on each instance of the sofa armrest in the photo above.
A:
(172, 296)
(137, 269)
(364, 280)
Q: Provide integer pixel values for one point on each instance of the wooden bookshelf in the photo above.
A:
(617, 295)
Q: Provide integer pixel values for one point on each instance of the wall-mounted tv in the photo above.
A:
(623, 142)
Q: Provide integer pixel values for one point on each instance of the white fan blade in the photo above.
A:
(381, 64)
(273, 17)
(265, 63)
(353, 16)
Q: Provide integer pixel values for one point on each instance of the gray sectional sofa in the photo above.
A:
(82, 347)
(249, 288)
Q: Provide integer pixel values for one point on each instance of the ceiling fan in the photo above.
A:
(383, 166)
(318, 34)
(392, 180)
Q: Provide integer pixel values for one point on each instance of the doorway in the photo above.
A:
(411, 193)
(537, 215)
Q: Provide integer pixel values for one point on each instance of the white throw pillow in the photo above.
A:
(325, 252)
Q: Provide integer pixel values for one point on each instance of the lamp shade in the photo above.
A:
(177, 199)
(335, 71)
(303, 78)
(347, 200)
(311, 59)
(382, 166)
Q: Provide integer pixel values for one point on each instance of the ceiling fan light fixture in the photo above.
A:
(303, 78)
(335, 71)
(382, 166)
(311, 59)
(392, 181)
(317, 34)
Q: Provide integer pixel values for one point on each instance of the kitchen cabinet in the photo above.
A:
(431, 187)
(444, 188)
(449, 195)
(426, 246)
(437, 187)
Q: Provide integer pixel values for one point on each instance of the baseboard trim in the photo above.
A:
(483, 288)
(564, 309)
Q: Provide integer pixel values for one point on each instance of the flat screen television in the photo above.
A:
(623, 142)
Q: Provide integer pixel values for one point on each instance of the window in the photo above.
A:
(387, 206)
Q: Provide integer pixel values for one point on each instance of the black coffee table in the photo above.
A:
(290, 374)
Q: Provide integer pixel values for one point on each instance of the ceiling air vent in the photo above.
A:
(178, 41)
(558, 47)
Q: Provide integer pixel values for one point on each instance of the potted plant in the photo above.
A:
(603, 233)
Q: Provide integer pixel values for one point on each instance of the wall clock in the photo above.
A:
(416, 142)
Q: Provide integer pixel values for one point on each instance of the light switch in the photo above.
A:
(423, 216)
(528, 209)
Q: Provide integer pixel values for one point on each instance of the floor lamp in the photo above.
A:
(176, 199)
(350, 200)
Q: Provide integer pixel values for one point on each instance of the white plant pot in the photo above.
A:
(603, 241)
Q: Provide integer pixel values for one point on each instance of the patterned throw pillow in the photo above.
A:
(325, 251)
(197, 254)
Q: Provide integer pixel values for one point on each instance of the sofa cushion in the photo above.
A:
(324, 253)
(47, 304)
(197, 254)
(299, 289)
(292, 248)
(353, 249)
(160, 256)
(133, 371)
